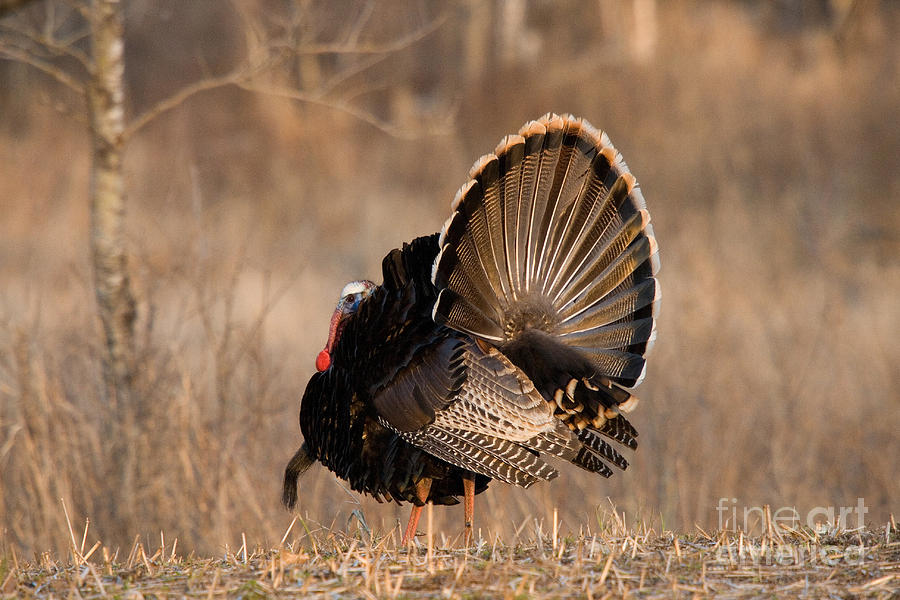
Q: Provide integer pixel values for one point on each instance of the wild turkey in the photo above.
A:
(511, 336)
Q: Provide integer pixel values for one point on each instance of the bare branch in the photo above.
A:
(13, 53)
(349, 95)
(256, 63)
(340, 77)
(260, 61)
(180, 96)
(394, 46)
(254, 33)
(364, 15)
(376, 54)
(55, 46)
(289, 42)
(342, 106)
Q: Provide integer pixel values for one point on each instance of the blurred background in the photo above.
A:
(308, 138)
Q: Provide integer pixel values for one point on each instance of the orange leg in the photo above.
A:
(469, 503)
(422, 489)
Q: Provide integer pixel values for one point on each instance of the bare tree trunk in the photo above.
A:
(111, 282)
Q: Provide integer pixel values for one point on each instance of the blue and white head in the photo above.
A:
(351, 296)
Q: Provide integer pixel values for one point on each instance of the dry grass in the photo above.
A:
(613, 560)
(771, 163)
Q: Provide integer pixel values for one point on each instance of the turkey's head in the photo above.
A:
(352, 294)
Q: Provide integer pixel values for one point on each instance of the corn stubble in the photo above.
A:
(615, 559)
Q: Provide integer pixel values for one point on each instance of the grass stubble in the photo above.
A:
(614, 559)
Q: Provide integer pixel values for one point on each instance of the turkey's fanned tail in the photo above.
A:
(551, 233)
(549, 256)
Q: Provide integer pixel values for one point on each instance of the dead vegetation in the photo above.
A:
(613, 560)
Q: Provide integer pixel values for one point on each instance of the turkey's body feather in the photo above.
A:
(341, 426)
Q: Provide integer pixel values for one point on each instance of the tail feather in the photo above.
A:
(541, 208)
(620, 430)
(534, 134)
(559, 442)
(468, 279)
(613, 308)
(492, 250)
(551, 233)
(510, 155)
(553, 204)
(601, 448)
(592, 413)
(591, 462)
(467, 233)
(625, 367)
(600, 281)
(582, 230)
(578, 151)
(465, 317)
(586, 448)
(595, 250)
(617, 335)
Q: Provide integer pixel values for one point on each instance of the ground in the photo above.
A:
(637, 563)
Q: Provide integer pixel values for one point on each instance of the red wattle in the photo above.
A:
(323, 360)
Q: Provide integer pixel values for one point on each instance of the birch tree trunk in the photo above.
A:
(107, 196)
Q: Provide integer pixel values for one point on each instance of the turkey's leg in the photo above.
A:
(469, 503)
(422, 489)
